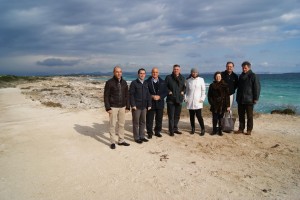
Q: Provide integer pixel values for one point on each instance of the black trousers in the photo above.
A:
(198, 114)
(242, 110)
(217, 120)
(158, 114)
(174, 111)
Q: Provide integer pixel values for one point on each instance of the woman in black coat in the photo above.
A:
(219, 100)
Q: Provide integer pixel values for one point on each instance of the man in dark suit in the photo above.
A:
(140, 102)
(158, 92)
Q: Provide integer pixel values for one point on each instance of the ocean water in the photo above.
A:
(278, 91)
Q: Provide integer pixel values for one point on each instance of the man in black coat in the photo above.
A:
(231, 79)
(176, 88)
(116, 101)
(247, 96)
(158, 92)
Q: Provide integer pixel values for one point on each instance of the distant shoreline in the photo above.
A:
(95, 81)
(109, 74)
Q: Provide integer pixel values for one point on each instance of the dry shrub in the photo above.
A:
(52, 104)
(25, 88)
(46, 89)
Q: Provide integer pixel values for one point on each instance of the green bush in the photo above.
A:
(287, 111)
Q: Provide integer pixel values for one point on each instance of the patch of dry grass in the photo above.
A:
(51, 104)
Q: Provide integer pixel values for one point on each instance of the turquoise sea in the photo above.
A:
(278, 91)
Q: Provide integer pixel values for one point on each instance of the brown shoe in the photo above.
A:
(238, 131)
(248, 133)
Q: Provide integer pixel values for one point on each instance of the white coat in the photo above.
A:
(195, 93)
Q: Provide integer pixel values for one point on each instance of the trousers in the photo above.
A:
(198, 114)
(174, 111)
(116, 124)
(139, 123)
(158, 114)
(242, 110)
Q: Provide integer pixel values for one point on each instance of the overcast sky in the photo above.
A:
(64, 36)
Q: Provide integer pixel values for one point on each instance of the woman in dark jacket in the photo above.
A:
(219, 100)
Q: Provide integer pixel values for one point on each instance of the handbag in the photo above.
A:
(228, 122)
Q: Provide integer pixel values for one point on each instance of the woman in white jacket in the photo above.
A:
(194, 97)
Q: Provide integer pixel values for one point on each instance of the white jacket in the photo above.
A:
(195, 93)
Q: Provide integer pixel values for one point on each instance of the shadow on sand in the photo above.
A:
(100, 132)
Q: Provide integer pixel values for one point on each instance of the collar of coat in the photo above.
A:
(116, 79)
(179, 77)
(159, 79)
(219, 84)
(245, 75)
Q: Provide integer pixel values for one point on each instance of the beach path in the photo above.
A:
(54, 153)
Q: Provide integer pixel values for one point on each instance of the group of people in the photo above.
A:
(146, 99)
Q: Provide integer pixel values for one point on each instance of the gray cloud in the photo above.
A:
(103, 33)
(54, 62)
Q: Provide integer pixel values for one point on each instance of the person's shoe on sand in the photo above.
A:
(124, 143)
(248, 133)
(202, 132)
(139, 141)
(157, 134)
(238, 132)
(112, 146)
(192, 130)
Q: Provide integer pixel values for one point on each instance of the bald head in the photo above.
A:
(155, 72)
(117, 72)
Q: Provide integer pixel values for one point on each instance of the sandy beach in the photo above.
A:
(54, 144)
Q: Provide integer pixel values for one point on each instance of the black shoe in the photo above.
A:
(202, 132)
(177, 132)
(214, 132)
(139, 141)
(171, 134)
(112, 146)
(158, 134)
(124, 144)
(220, 132)
(144, 140)
(192, 131)
(149, 134)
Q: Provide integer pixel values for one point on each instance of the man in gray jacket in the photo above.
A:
(247, 96)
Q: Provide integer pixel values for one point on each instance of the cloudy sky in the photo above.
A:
(59, 37)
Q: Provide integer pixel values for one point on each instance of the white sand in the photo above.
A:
(60, 153)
